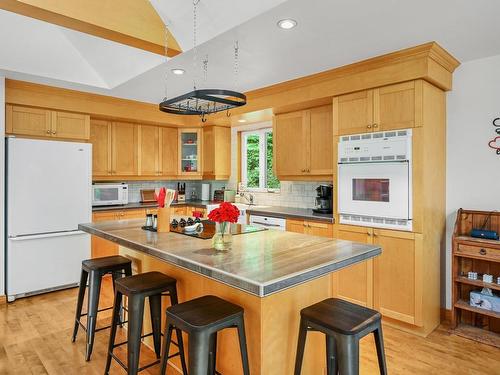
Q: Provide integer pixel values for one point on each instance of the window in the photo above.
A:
(257, 160)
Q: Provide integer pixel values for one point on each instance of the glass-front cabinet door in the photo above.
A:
(189, 152)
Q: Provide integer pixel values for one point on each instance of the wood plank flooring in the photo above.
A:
(35, 339)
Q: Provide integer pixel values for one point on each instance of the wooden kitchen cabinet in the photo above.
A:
(354, 283)
(149, 150)
(100, 137)
(39, 122)
(216, 153)
(310, 227)
(102, 247)
(303, 147)
(68, 125)
(168, 152)
(124, 142)
(189, 164)
(385, 108)
(397, 276)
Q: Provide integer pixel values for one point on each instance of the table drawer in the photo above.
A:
(479, 252)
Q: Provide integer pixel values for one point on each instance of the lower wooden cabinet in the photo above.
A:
(390, 283)
(101, 247)
(355, 283)
(310, 227)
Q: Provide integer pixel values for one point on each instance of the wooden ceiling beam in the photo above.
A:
(131, 22)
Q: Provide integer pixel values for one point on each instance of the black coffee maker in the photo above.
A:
(324, 199)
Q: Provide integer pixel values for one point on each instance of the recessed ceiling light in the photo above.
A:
(178, 71)
(242, 120)
(287, 23)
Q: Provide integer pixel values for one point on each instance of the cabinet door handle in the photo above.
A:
(482, 252)
(368, 233)
(48, 131)
(368, 126)
(375, 125)
(53, 132)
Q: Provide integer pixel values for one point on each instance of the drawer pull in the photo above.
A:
(482, 252)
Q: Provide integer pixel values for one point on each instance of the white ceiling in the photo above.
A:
(330, 33)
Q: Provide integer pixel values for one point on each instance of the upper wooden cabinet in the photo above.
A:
(168, 152)
(190, 153)
(216, 153)
(37, 122)
(124, 145)
(385, 108)
(303, 146)
(149, 150)
(100, 137)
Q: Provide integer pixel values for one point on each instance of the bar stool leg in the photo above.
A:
(243, 346)
(301, 343)
(198, 356)
(79, 304)
(213, 354)
(331, 360)
(348, 354)
(93, 305)
(178, 332)
(166, 349)
(155, 310)
(114, 322)
(379, 343)
(135, 314)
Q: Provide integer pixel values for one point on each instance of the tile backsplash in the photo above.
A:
(134, 193)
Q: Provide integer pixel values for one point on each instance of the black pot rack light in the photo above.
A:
(202, 102)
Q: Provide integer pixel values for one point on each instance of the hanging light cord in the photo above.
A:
(236, 64)
(166, 61)
(195, 49)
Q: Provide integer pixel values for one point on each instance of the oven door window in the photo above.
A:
(103, 194)
(370, 189)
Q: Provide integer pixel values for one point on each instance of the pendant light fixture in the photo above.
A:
(202, 102)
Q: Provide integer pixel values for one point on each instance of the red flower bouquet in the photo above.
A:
(226, 212)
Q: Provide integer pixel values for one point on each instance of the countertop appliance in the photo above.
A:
(181, 191)
(109, 194)
(218, 195)
(277, 223)
(324, 199)
(242, 219)
(375, 179)
(48, 195)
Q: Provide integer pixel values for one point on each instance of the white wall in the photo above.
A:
(2, 184)
(473, 169)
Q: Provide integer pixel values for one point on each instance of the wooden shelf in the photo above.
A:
(478, 241)
(480, 283)
(463, 305)
(477, 334)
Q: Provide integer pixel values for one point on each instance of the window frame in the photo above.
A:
(261, 132)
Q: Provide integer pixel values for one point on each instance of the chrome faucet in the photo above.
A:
(249, 198)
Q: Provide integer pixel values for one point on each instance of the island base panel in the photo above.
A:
(271, 323)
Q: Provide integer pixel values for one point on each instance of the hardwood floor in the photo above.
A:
(35, 339)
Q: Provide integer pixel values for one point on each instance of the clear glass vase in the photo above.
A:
(222, 239)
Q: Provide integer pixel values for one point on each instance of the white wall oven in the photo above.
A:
(375, 180)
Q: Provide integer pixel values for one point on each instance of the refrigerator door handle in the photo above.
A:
(46, 235)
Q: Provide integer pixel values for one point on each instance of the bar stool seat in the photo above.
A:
(201, 319)
(94, 270)
(344, 324)
(151, 285)
(341, 316)
(106, 264)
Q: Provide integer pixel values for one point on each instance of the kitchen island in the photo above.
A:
(271, 274)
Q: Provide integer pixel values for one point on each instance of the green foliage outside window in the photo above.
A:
(272, 181)
(253, 161)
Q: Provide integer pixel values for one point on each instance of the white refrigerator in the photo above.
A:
(48, 194)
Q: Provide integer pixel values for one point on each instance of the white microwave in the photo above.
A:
(109, 194)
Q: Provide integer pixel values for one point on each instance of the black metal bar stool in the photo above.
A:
(202, 318)
(137, 288)
(344, 324)
(95, 269)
